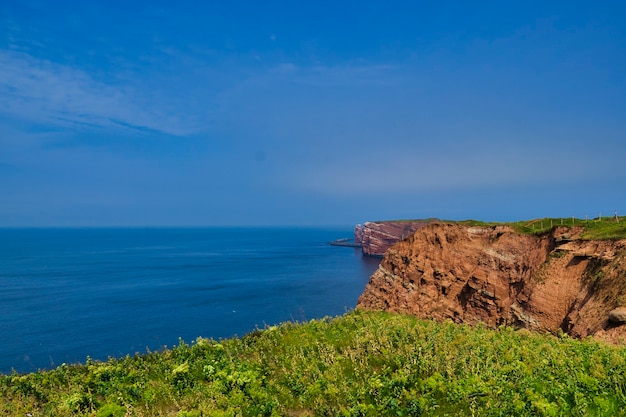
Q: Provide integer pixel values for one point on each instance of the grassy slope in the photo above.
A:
(360, 364)
(605, 228)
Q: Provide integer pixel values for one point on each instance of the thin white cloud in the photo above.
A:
(411, 171)
(346, 75)
(360, 130)
(45, 92)
(280, 96)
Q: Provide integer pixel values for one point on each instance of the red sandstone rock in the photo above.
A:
(377, 237)
(358, 234)
(496, 276)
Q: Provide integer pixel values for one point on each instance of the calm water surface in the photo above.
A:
(69, 293)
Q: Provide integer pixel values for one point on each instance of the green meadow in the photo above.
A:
(359, 364)
(598, 228)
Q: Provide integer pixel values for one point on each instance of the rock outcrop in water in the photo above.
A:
(376, 237)
(494, 275)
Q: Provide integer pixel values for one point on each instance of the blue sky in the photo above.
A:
(309, 113)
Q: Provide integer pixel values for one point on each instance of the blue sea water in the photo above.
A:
(69, 293)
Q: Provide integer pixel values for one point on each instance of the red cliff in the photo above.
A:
(499, 277)
(376, 237)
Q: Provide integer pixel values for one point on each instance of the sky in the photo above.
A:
(206, 113)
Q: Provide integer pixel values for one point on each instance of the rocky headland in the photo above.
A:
(376, 237)
(548, 282)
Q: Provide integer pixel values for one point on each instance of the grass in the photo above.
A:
(598, 228)
(360, 364)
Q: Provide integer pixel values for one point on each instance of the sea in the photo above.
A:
(69, 294)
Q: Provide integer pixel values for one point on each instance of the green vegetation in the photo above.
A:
(361, 364)
(599, 228)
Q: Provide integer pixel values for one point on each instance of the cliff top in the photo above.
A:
(602, 228)
(599, 228)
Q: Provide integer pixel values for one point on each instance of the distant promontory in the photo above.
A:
(376, 237)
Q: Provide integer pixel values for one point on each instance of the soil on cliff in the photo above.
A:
(548, 282)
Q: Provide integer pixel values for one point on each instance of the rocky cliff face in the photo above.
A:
(496, 276)
(376, 237)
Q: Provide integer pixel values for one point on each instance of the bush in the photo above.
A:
(361, 364)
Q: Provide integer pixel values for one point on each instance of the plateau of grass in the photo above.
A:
(360, 364)
(598, 228)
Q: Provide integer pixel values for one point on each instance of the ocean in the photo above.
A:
(66, 294)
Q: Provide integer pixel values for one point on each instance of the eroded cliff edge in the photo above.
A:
(499, 277)
(376, 237)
